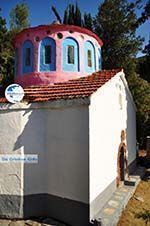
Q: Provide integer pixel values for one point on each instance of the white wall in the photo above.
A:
(10, 173)
(68, 153)
(60, 138)
(107, 119)
(131, 130)
(58, 134)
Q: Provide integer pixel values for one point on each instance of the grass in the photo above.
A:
(137, 212)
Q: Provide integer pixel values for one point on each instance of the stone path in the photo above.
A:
(38, 222)
(110, 214)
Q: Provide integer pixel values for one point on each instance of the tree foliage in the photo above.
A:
(143, 64)
(6, 58)
(147, 49)
(18, 21)
(88, 21)
(19, 17)
(115, 24)
(140, 89)
(145, 14)
(73, 16)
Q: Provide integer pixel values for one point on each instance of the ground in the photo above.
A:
(137, 212)
(36, 222)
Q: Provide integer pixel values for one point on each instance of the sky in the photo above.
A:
(41, 13)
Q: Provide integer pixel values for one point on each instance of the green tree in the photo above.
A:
(18, 21)
(147, 49)
(6, 59)
(140, 89)
(143, 64)
(73, 16)
(115, 25)
(78, 16)
(145, 14)
(88, 21)
(65, 20)
(19, 17)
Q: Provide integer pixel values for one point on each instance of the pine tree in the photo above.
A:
(140, 89)
(145, 14)
(65, 20)
(72, 15)
(143, 64)
(115, 25)
(6, 58)
(18, 21)
(19, 17)
(78, 16)
(88, 21)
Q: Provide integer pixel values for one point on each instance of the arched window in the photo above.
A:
(27, 64)
(89, 57)
(47, 55)
(70, 56)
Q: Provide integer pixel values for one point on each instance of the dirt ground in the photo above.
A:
(137, 212)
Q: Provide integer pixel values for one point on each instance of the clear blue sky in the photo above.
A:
(40, 12)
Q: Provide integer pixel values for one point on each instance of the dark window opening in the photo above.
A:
(89, 58)
(48, 32)
(70, 54)
(47, 54)
(60, 35)
(28, 57)
(37, 39)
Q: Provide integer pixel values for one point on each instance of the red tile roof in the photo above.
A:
(77, 88)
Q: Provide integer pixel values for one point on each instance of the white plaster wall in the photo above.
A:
(131, 129)
(107, 119)
(10, 173)
(33, 140)
(59, 136)
(68, 153)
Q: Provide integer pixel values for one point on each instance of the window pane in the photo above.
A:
(70, 54)
(28, 57)
(89, 56)
(47, 54)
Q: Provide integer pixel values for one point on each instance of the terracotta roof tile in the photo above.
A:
(77, 88)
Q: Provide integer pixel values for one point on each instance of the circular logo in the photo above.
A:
(14, 93)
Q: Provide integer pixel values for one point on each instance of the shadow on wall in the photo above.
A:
(37, 178)
(32, 140)
(131, 135)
